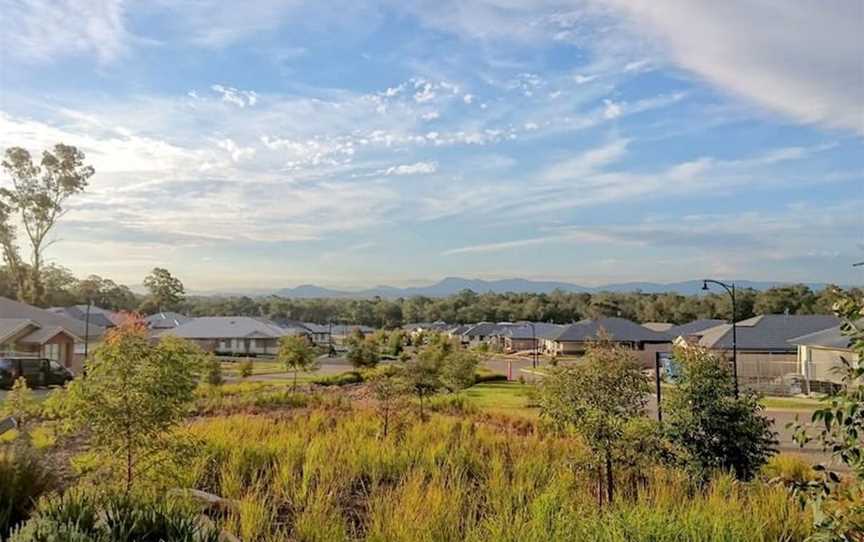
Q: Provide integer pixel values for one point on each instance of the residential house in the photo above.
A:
(94, 315)
(575, 338)
(820, 358)
(659, 326)
(40, 332)
(526, 337)
(319, 333)
(692, 331)
(234, 335)
(767, 361)
(485, 332)
(165, 320)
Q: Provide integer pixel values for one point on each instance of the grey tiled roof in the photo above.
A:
(229, 327)
(693, 328)
(827, 338)
(768, 332)
(618, 329)
(46, 319)
(166, 320)
(98, 316)
(542, 330)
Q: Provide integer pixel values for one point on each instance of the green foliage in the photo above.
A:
(714, 429)
(296, 354)
(20, 405)
(558, 306)
(597, 399)
(395, 342)
(213, 371)
(485, 375)
(341, 379)
(166, 291)
(458, 370)
(246, 366)
(37, 196)
(838, 505)
(114, 518)
(363, 351)
(134, 392)
(389, 387)
(23, 478)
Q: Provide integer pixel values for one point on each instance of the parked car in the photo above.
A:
(36, 371)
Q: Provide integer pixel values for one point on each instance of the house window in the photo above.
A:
(51, 351)
(224, 345)
(253, 344)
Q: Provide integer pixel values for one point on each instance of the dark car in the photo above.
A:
(36, 371)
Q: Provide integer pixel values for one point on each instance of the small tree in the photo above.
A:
(20, 405)
(246, 368)
(363, 353)
(458, 370)
(133, 393)
(388, 387)
(838, 508)
(213, 371)
(597, 399)
(395, 342)
(716, 430)
(296, 354)
(423, 373)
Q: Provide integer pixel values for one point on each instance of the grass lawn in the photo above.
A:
(504, 397)
(790, 403)
(259, 366)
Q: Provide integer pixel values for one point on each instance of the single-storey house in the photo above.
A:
(319, 333)
(574, 339)
(766, 359)
(95, 315)
(692, 331)
(659, 326)
(522, 337)
(820, 358)
(234, 335)
(165, 320)
(39, 332)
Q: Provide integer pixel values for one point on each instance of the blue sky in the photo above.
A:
(359, 143)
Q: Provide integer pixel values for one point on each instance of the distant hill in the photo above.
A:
(454, 285)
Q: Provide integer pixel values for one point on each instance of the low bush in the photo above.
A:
(485, 375)
(23, 478)
(341, 379)
(80, 517)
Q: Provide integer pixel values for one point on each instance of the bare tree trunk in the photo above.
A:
(610, 483)
(386, 420)
(599, 486)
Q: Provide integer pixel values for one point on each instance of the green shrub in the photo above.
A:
(341, 379)
(485, 375)
(23, 479)
(245, 368)
(81, 517)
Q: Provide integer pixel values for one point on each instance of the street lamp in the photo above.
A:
(730, 289)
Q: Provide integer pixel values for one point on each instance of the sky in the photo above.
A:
(354, 143)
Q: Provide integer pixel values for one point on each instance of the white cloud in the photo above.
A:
(240, 98)
(430, 115)
(236, 152)
(45, 30)
(801, 59)
(468, 98)
(611, 110)
(419, 168)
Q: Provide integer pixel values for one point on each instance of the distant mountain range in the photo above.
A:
(453, 285)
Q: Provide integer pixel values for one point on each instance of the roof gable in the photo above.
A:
(767, 332)
(617, 329)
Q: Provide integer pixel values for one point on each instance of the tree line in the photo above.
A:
(558, 307)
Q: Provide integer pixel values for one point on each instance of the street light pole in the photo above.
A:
(533, 346)
(730, 289)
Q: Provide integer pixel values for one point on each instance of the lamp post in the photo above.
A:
(730, 289)
(533, 346)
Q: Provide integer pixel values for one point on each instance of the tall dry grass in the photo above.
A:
(327, 475)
